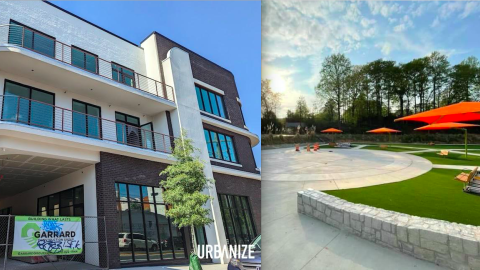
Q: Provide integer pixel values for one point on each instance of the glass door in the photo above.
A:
(147, 135)
(86, 119)
(28, 105)
(128, 129)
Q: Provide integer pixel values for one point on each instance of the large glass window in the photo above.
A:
(128, 129)
(32, 39)
(123, 75)
(237, 219)
(146, 234)
(24, 104)
(220, 146)
(66, 203)
(86, 119)
(210, 102)
(84, 60)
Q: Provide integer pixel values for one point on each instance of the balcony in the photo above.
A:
(34, 55)
(42, 115)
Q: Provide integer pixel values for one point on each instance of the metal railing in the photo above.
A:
(40, 114)
(48, 46)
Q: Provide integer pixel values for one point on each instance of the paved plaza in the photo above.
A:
(293, 241)
(330, 169)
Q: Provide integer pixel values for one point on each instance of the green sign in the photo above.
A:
(38, 236)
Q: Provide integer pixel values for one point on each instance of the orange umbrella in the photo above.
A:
(331, 130)
(463, 111)
(384, 130)
(450, 125)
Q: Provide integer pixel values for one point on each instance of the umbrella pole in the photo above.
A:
(466, 150)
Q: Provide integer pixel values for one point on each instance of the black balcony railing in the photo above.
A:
(45, 45)
(40, 114)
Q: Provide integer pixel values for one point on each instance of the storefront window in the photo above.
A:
(66, 203)
(238, 219)
(146, 234)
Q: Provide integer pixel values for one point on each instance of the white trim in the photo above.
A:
(67, 139)
(216, 116)
(253, 137)
(245, 127)
(238, 173)
(239, 101)
(209, 87)
(226, 162)
(258, 169)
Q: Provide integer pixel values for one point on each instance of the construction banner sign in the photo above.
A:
(38, 236)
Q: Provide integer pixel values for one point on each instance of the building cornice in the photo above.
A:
(217, 123)
(223, 170)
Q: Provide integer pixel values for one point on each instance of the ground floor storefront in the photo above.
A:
(121, 195)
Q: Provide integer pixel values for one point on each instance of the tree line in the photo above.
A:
(357, 97)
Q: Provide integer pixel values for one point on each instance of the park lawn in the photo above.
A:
(433, 195)
(389, 148)
(451, 159)
(438, 146)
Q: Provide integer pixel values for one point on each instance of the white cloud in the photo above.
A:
(406, 23)
(384, 9)
(435, 22)
(385, 48)
(367, 22)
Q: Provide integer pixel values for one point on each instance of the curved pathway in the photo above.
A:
(329, 169)
(292, 241)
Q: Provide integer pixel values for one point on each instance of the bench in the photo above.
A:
(383, 146)
(471, 181)
(332, 144)
(443, 153)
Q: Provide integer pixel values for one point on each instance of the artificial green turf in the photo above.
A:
(434, 195)
(451, 159)
(389, 148)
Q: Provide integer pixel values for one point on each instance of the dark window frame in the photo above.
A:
(244, 213)
(30, 102)
(222, 97)
(220, 147)
(154, 203)
(121, 74)
(74, 205)
(85, 59)
(86, 121)
(33, 42)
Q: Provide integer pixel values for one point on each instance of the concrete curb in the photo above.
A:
(441, 242)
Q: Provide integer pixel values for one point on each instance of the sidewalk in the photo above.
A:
(180, 267)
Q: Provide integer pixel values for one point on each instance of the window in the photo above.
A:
(146, 234)
(210, 102)
(86, 119)
(84, 60)
(28, 105)
(128, 129)
(6, 211)
(237, 219)
(220, 146)
(32, 39)
(123, 75)
(66, 203)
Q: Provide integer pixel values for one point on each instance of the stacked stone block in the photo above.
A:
(444, 243)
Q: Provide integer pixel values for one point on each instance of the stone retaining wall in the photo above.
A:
(444, 243)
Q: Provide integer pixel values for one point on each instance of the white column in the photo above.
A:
(178, 73)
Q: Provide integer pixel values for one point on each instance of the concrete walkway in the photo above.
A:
(329, 169)
(291, 241)
(180, 267)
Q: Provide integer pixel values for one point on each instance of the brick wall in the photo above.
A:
(233, 185)
(116, 168)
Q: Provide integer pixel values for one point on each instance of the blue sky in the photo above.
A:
(227, 33)
(297, 36)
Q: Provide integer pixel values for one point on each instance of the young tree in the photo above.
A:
(183, 186)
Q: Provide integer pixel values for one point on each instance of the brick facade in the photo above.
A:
(116, 168)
